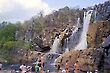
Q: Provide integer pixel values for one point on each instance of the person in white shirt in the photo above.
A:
(0, 65)
(23, 68)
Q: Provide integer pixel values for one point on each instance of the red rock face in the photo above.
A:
(96, 32)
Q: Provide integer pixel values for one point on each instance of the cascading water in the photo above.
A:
(69, 42)
(55, 46)
(67, 48)
(52, 55)
(95, 15)
(72, 41)
(83, 41)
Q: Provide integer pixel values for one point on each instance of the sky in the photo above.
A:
(20, 10)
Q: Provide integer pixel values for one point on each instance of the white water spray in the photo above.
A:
(55, 45)
(83, 40)
(71, 41)
(67, 48)
(76, 28)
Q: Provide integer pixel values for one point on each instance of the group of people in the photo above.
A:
(37, 67)
(66, 68)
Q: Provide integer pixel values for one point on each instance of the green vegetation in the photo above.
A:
(7, 38)
(9, 42)
(7, 33)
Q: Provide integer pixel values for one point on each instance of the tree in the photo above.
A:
(7, 38)
(7, 33)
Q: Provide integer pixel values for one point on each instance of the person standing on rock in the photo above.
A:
(0, 66)
(67, 67)
(42, 61)
(76, 66)
(58, 67)
(106, 48)
(47, 71)
(62, 34)
(23, 68)
(36, 68)
(40, 70)
(40, 66)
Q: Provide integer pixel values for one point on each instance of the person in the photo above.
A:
(96, 71)
(39, 63)
(63, 71)
(42, 61)
(101, 63)
(66, 66)
(23, 68)
(47, 71)
(0, 65)
(29, 69)
(36, 68)
(62, 35)
(40, 70)
(40, 66)
(33, 67)
(39, 56)
(58, 67)
(106, 48)
(76, 66)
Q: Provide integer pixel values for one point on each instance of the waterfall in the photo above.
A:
(69, 42)
(76, 28)
(72, 41)
(52, 55)
(55, 46)
(67, 48)
(83, 41)
(95, 15)
(17, 35)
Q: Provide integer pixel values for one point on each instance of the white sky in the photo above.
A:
(19, 10)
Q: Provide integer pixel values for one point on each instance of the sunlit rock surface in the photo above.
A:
(96, 32)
